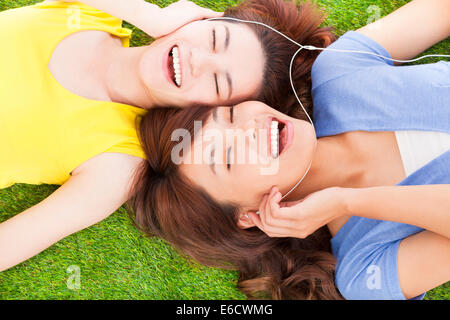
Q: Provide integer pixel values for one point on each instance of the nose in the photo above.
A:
(246, 130)
(201, 60)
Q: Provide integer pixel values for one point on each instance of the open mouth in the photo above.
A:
(174, 66)
(278, 137)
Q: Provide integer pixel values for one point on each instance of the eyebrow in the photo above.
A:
(214, 114)
(230, 85)
(227, 44)
(217, 85)
(212, 164)
(228, 158)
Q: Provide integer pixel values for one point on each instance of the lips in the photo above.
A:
(168, 66)
(285, 136)
(165, 66)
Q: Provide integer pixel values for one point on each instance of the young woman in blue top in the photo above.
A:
(386, 211)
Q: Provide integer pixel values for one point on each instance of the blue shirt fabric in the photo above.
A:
(358, 92)
(354, 91)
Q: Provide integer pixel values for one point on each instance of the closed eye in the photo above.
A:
(217, 84)
(231, 114)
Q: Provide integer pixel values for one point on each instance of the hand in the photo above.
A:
(301, 218)
(174, 16)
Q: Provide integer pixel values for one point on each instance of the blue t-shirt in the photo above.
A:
(355, 92)
(352, 84)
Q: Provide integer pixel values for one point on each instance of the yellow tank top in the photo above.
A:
(46, 131)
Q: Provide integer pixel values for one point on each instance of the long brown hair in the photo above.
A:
(166, 204)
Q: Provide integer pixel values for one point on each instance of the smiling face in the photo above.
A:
(218, 63)
(244, 182)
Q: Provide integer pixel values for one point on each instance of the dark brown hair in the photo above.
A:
(300, 22)
(166, 204)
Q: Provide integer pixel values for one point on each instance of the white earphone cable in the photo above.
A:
(313, 48)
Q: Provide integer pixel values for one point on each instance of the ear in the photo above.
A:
(245, 221)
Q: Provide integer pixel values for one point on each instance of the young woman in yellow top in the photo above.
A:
(73, 93)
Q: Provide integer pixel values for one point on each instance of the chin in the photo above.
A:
(303, 147)
(305, 134)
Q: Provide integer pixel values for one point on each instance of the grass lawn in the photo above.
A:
(115, 261)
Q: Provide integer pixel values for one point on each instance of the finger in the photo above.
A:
(274, 203)
(270, 216)
(207, 14)
(267, 204)
(279, 213)
(262, 206)
(271, 205)
(286, 204)
(265, 211)
(270, 231)
(213, 14)
(201, 11)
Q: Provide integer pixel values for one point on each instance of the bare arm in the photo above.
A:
(425, 206)
(135, 12)
(411, 29)
(423, 259)
(423, 263)
(150, 18)
(90, 196)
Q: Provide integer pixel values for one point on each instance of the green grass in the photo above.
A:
(117, 262)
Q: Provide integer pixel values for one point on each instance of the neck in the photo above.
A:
(121, 77)
(346, 170)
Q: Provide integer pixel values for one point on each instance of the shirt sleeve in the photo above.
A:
(331, 65)
(133, 149)
(370, 273)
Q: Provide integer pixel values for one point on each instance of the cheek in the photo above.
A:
(250, 184)
(249, 83)
(200, 91)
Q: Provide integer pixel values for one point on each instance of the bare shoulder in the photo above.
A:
(109, 159)
(106, 178)
(120, 164)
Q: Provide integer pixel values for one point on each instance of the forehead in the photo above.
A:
(207, 138)
(206, 135)
(244, 57)
(196, 165)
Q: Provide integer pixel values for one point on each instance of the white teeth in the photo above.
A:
(175, 51)
(176, 65)
(274, 137)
